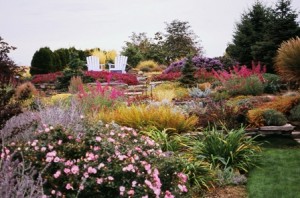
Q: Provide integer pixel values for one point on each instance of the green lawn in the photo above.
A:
(278, 175)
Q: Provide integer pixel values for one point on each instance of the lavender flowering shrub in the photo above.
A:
(199, 62)
(20, 127)
(17, 179)
(103, 161)
(67, 115)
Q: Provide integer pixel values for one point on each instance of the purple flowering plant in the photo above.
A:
(199, 62)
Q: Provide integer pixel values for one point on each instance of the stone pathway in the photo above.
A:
(296, 136)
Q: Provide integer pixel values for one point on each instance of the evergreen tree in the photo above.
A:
(188, 71)
(248, 32)
(261, 31)
(64, 57)
(42, 61)
(281, 27)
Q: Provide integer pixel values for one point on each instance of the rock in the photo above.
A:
(287, 128)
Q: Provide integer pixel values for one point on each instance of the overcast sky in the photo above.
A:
(84, 24)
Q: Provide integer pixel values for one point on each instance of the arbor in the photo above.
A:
(261, 31)
(42, 61)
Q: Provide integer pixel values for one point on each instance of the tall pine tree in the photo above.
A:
(261, 31)
(249, 31)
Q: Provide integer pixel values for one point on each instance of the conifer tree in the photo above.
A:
(261, 31)
(188, 70)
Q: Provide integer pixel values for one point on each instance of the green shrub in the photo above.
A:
(274, 118)
(224, 149)
(295, 113)
(251, 85)
(220, 95)
(272, 83)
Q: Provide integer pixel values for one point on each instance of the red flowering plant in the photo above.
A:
(102, 161)
(46, 78)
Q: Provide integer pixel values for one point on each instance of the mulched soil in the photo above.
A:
(228, 192)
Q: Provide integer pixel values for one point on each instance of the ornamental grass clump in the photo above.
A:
(102, 161)
(161, 117)
(229, 148)
(287, 60)
(75, 83)
(148, 66)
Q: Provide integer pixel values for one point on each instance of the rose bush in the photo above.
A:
(103, 161)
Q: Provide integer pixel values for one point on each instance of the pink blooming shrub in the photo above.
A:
(103, 161)
(240, 72)
(242, 80)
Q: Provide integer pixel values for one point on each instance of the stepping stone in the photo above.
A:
(296, 134)
(298, 140)
(268, 130)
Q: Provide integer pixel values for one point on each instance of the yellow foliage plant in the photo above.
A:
(169, 91)
(143, 116)
(56, 99)
(104, 56)
(282, 104)
(255, 117)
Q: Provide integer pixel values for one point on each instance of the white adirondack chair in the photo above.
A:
(120, 64)
(93, 63)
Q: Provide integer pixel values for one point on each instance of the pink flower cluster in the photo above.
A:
(240, 72)
(118, 157)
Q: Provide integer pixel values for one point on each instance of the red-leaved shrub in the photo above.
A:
(46, 78)
(104, 76)
(169, 76)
